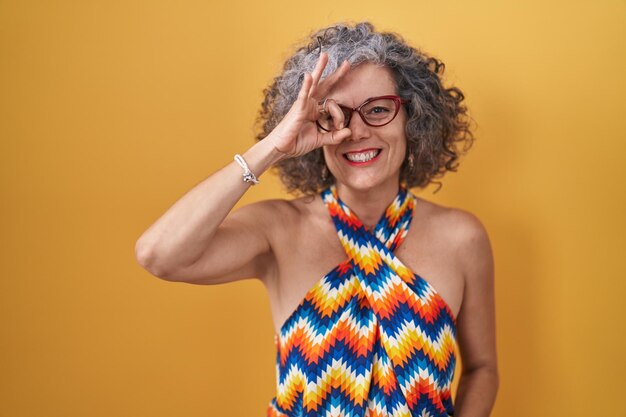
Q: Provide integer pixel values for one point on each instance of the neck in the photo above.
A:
(368, 205)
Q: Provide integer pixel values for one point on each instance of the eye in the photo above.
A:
(378, 113)
(378, 110)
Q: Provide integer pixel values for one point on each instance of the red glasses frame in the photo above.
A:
(349, 111)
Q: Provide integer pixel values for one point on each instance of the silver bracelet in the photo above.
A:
(248, 176)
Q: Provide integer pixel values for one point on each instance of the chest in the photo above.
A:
(313, 249)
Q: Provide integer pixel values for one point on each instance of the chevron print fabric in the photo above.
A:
(371, 338)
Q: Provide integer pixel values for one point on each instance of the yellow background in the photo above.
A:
(111, 110)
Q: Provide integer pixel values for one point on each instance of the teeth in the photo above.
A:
(362, 156)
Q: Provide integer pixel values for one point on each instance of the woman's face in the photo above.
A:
(372, 156)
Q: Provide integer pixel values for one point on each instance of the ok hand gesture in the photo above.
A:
(297, 133)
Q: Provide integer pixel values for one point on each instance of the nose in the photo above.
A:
(358, 128)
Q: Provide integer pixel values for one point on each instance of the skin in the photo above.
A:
(199, 241)
(374, 185)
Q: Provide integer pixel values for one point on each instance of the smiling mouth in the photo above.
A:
(362, 156)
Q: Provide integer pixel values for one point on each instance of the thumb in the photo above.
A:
(335, 137)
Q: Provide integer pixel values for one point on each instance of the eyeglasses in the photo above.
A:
(375, 112)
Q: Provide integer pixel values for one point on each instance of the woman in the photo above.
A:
(355, 118)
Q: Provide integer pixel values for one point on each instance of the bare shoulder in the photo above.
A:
(463, 232)
(472, 239)
(274, 216)
(460, 222)
(465, 226)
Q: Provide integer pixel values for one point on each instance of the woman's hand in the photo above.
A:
(195, 242)
(297, 134)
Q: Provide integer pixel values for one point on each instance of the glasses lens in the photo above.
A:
(327, 123)
(379, 112)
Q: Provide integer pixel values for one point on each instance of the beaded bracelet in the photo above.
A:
(248, 176)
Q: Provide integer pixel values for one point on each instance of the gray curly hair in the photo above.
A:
(437, 127)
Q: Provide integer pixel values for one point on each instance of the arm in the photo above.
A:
(479, 380)
(190, 235)
(195, 241)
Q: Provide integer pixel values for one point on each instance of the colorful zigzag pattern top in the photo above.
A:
(371, 338)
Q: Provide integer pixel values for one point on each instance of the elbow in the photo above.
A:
(488, 373)
(494, 377)
(497, 381)
(148, 260)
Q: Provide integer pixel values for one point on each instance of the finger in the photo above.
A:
(318, 70)
(335, 137)
(306, 86)
(303, 94)
(335, 113)
(343, 69)
(325, 86)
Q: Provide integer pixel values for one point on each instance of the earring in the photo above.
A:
(325, 173)
(411, 162)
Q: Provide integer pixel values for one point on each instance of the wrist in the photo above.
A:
(261, 156)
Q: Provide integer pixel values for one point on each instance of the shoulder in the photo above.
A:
(288, 207)
(465, 226)
(463, 232)
(274, 215)
(458, 222)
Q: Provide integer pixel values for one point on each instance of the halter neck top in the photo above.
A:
(371, 338)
